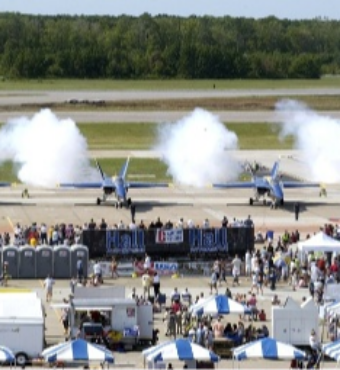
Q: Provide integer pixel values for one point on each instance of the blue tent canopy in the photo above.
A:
(268, 348)
(78, 350)
(219, 305)
(180, 349)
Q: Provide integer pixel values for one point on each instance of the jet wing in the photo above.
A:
(299, 184)
(82, 185)
(141, 185)
(236, 185)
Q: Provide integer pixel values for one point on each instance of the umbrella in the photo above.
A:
(6, 355)
(268, 348)
(179, 349)
(78, 350)
(332, 350)
(218, 305)
(280, 262)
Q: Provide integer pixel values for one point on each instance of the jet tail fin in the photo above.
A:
(275, 170)
(100, 170)
(123, 170)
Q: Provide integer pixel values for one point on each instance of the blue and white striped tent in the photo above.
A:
(6, 355)
(268, 348)
(179, 349)
(218, 305)
(332, 350)
(78, 350)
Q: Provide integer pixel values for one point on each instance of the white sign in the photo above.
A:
(171, 236)
(166, 266)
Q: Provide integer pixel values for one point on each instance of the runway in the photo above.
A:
(94, 117)
(50, 96)
(77, 207)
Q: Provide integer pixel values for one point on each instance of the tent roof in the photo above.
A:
(179, 349)
(319, 242)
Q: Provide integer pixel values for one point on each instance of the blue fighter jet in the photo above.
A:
(116, 185)
(268, 186)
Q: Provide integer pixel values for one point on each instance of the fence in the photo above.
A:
(162, 244)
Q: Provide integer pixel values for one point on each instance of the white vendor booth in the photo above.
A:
(292, 323)
(320, 242)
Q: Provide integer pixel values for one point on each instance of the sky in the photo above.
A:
(292, 9)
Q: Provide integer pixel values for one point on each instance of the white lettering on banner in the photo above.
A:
(166, 266)
(172, 236)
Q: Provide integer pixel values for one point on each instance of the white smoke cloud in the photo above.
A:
(196, 149)
(317, 136)
(47, 150)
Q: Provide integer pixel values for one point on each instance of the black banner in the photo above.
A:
(196, 242)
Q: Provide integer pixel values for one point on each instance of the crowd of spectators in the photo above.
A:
(68, 234)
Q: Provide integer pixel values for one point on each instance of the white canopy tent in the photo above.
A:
(320, 242)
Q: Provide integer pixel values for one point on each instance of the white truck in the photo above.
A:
(22, 325)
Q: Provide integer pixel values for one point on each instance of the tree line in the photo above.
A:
(127, 47)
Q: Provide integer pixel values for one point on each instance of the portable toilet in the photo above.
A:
(62, 262)
(27, 262)
(11, 257)
(44, 261)
(79, 251)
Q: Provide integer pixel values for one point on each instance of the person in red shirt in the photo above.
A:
(176, 306)
(321, 264)
(334, 268)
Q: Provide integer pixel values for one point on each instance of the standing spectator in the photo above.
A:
(213, 282)
(73, 284)
(43, 234)
(146, 283)
(80, 270)
(55, 236)
(236, 263)
(91, 225)
(296, 211)
(147, 262)
(114, 266)
(97, 272)
(133, 212)
(248, 263)
(48, 285)
(103, 225)
(156, 284)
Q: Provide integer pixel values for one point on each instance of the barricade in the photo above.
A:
(207, 244)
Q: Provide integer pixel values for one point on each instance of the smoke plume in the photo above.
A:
(317, 136)
(45, 149)
(196, 149)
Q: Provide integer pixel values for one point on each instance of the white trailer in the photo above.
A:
(22, 325)
(292, 323)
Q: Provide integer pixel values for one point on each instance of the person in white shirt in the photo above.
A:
(190, 224)
(248, 263)
(132, 226)
(206, 224)
(147, 262)
(236, 263)
(97, 272)
(121, 225)
(186, 296)
(180, 223)
(156, 284)
(146, 283)
(314, 341)
(175, 296)
(48, 285)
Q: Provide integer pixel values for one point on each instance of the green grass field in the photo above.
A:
(140, 169)
(107, 84)
(120, 136)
